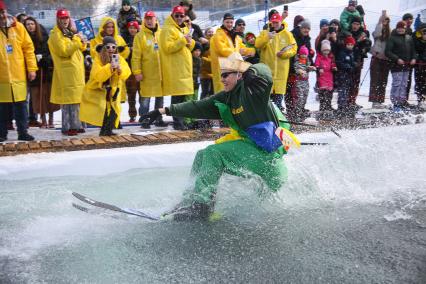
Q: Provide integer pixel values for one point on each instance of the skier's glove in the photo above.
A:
(152, 116)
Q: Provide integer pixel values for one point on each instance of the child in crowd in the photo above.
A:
(325, 65)
(196, 68)
(345, 65)
(249, 41)
(302, 66)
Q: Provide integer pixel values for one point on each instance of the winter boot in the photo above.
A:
(197, 211)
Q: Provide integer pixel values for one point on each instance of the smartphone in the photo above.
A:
(331, 30)
(285, 7)
(191, 31)
(115, 60)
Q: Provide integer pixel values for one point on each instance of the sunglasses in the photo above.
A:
(241, 25)
(177, 16)
(225, 75)
(112, 47)
(187, 21)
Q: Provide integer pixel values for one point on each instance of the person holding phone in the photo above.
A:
(277, 45)
(100, 104)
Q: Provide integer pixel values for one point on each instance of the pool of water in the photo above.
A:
(352, 212)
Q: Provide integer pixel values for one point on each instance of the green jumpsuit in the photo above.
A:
(245, 105)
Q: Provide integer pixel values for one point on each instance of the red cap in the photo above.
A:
(178, 10)
(350, 40)
(62, 13)
(2, 5)
(276, 18)
(133, 24)
(149, 14)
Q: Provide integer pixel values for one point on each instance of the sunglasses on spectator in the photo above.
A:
(226, 74)
(187, 21)
(112, 47)
(241, 25)
(177, 16)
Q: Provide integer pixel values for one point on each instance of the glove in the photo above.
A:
(152, 116)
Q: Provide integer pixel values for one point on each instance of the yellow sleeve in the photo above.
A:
(62, 47)
(93, 45)
(262, 40)
(171, 42)
(28, 51)
(293, 50)
(246, 51)
(192, 45)
(121, 42)
(100, 73)
(125, 69)
(137, 54)
(221, 44)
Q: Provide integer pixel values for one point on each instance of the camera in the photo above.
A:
(331, 30)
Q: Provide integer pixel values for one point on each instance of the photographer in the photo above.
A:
(100, 104)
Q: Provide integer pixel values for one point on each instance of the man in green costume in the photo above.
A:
(252, 148)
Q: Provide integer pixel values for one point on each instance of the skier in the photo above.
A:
(251, 148)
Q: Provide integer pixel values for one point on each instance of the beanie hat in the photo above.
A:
(297, 20)
(305, 24)
(125, 2)
(239, 21)
(249, 35)
(350, 40)
(407, 16)
(352, 3)
(178, 10)
(198, 46)
(62, 13)
(134, 24)
(324, 22)
(401, 25)
(303, 50)
(325, 45)
(2, 5)
(356, 19)
(271, 12)
(108, 39)
(335, 22)
(228, 16)
(276, 18)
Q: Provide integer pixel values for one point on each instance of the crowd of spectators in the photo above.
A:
(133, 59)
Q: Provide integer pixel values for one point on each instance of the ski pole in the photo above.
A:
(317, 126)
(366, 73)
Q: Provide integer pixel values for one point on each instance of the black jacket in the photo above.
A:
(400, 47)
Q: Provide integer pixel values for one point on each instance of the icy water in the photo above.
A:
(351, 212)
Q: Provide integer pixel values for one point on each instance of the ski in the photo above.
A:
(103, 205)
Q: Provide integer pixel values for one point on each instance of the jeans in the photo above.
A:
(20, 114)
(71, 117)
(145, 102)
(399, 87)
(206, 88)
(178, 121)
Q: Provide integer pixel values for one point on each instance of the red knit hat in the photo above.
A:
(2, 5)
(134, 24)
(350, 40)
(178, 10)
(62, 13)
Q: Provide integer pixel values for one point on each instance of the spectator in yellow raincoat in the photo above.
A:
(108, 27)
(146, 66)
(175, 47)
(66, 47)
(277, 45)
(100, 105)
(17, 58)
(224, 42)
